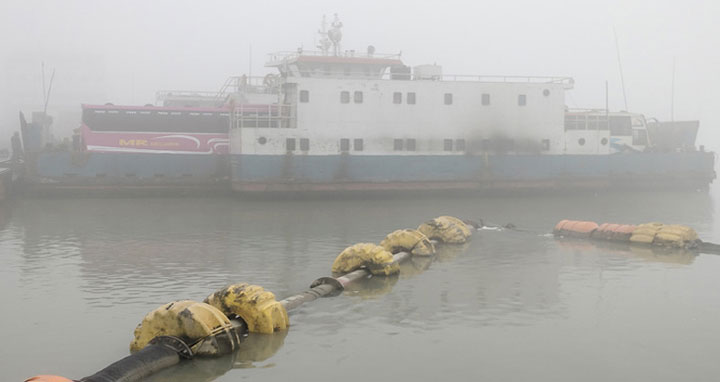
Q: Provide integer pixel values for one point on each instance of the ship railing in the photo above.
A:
(234, 84)
(276, 58)
(268, 84)
(567, 82)
(169, 94)
(265, 115)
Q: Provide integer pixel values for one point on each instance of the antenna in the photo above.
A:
(42, 68)
(607, 106)
(622, 78)
(47, 99)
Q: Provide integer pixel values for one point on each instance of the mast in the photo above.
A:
(622, 77)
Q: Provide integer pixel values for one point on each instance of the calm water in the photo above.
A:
(77, 275)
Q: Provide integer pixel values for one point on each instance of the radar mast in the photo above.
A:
(324, 43)
(335, 34)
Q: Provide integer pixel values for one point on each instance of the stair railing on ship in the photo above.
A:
(267, 115)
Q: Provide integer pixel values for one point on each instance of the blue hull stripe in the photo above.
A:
(425, 168)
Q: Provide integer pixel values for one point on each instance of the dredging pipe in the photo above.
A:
(183, 329)
(331, 286)
(167, 351)
(161, 353)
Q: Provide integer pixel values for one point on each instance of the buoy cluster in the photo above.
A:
(217, 325)
(656, 234)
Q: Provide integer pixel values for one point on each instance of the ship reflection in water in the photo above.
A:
(90, 269)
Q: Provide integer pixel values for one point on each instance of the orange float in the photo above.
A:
(575, 228)
(48, 378)
(614, 232)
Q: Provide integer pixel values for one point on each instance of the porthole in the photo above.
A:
(262, 140)
(581, 141)
(546, 92)
(604, 141)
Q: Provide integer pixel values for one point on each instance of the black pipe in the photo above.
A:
(138, 365)
(706, 247)
(163, 352)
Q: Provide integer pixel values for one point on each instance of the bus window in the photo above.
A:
(156, 121)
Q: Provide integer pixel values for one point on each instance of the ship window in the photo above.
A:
(448, 98)
(304, 144)
(485, 99)
(604, 141)
(522, 100)
(410, 144)
(574, 122)
(397, 97)
(546, 144)
(262, 140)
(603, 123)
(411, 98)
(581, 141)
(344, 145)
(358, 144)
(304, 96)
(358, 97)
(592, 122)
(344, 97)
(290, 144)
(459, 145)
(448, 145)
(620, 126)
(398, 144)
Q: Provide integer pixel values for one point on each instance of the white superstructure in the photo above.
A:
(372, 104)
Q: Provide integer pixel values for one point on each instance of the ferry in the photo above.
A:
(367, 121)
(342, 120)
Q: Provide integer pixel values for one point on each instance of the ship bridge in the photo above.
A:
(349, 64)
(331, 61)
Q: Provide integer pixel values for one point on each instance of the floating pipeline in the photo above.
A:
(217, 326)
(408, 240)
(648, 234)
(647, 253)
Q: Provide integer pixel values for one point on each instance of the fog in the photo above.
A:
(510, 269)
(122, 52)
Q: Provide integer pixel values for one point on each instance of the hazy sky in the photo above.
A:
(137, 47)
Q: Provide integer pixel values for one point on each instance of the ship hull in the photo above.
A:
(293, 173)
(65, 170)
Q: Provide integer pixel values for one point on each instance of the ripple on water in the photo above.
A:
(99, 265)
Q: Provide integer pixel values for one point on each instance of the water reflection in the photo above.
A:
(647, 253)
(254, 349)
(100, 264)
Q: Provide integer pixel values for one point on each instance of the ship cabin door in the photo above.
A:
(290, 94)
